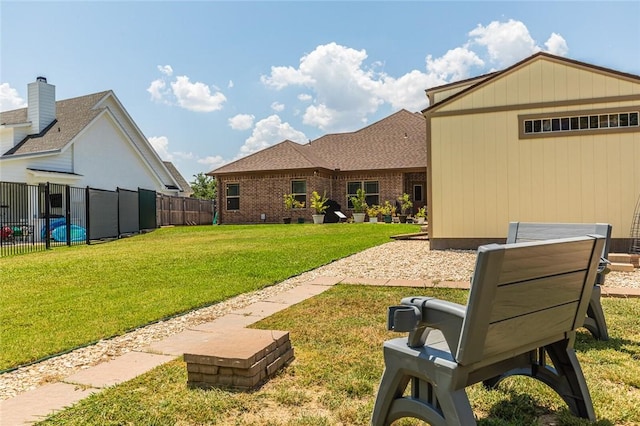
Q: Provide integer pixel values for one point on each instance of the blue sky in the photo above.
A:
(208, 82)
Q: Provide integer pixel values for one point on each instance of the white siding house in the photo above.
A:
(86, 141)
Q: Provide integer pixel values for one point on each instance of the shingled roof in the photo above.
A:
(395, 142)
(72, 115)
(177, 176)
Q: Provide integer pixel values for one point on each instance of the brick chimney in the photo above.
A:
(41, 109)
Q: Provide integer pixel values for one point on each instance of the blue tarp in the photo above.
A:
(78, 233)
(53, 224)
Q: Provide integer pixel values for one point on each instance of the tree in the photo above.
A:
(204, 187)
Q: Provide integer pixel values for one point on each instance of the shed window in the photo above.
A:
(579, 122)
(233, 196)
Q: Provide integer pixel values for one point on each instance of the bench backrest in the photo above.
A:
(532, 231)
(526, 295)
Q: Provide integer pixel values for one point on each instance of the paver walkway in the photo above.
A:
(35, 405)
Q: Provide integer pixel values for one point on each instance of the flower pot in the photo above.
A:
(301, 220)
(318, 218)
(358, 217)
(387, 218)
(420, 220)
(403, 218)
(373, 219)
(286, 220)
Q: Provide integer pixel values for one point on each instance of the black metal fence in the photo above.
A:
(38, 217)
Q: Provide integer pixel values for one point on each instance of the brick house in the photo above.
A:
(386, 159)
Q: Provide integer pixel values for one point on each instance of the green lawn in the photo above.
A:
(334, 378)
(59, 299)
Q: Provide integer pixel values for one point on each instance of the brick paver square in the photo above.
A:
(35, 405)
(225, 322)
(298, 294)
(121, 369)
(261, 309)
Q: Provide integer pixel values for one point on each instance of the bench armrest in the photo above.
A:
(420, 315)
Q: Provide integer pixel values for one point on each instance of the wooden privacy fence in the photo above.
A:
(184, 211)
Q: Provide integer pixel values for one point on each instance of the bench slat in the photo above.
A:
(538, 294)
(503, 336)
(529, 262)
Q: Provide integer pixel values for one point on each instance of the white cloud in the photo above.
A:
(407, 91)
(184, 155)
(157, 90)
(10, 99)
(241, 121)
(557, 45)
(269, 131)
(161, 145)
(165, 69)
(230, 84)
(319, 116)
(345, 90)
(181, 91)
(277, 106)
(196, 96)
(454, 65)
(212, 162)
(506, 42)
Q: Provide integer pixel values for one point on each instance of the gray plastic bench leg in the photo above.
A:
(434, 404)
(595, 321)
(566, 378)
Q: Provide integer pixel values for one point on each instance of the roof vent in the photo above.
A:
(41, 79)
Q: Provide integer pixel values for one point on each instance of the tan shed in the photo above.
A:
(546, 140)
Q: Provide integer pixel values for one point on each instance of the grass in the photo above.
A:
(57, 300)
(334, 378)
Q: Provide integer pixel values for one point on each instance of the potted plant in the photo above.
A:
(319, 205)
(290, 202)
(421, 215)
(359, 205)
(405, 204)
(387, 210)
(373, 212)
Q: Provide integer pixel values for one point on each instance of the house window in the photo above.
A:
(417, 193)
(371, 189)
(568, 123)
(233, 196)
(299, 190)
(55, 201)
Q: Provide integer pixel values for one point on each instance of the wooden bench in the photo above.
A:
(526, 301)
(527, 231)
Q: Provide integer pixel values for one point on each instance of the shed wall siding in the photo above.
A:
(543, 82)
(485, 176)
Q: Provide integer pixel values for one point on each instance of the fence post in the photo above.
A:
(87, 215)
(118, 209)
(47, 217)
(67, 213)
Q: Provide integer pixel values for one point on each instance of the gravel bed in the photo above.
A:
(408, 259)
